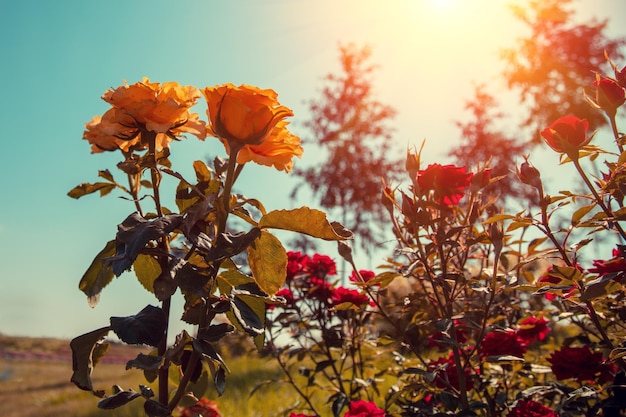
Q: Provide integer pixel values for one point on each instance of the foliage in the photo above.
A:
(190, 250)
(479, 312)
(481, 142)
(557, 59)
(350, 126)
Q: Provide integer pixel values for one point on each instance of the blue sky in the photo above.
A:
(59, 58)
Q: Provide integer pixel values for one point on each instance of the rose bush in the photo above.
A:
(190, 248)
(476, 312)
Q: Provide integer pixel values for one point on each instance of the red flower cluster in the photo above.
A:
(296, 262)
(582, 364)
(307, 275)
(529, 408)
(345, 295)
(363, 408)
(448, 182)
(320, 266)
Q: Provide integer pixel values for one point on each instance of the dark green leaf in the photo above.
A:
(215, 332)
(206, 350)
(231, 244)
(98, 275)
(134, 233)
(145, 362)
(220, 380)
(249, 319)
(155, 409)
(118, 399)
(146, 327)
(83, 359)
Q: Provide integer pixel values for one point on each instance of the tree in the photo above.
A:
(350, 128)
(481, 142)
(549, 66)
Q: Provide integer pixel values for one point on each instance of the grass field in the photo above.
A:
(35, 381)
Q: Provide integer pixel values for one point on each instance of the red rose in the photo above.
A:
(204, 408)
(447, 181)
(503, 343)
(580, 363)
(363, 408)
(346, 295)
(320, 266)
(567, 135)
(532, 328)
(609, 95)
(295, 264)
(529, 408)
(616, 267)
(365, 274)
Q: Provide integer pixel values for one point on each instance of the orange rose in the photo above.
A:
(158, 108)
(145, 107)
(277, 150)
(107, 133)
(243, 115)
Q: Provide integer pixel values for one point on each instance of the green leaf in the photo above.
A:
(307, 221)
(87, 188)
(145, 362)
(98, 275)
(203, 173)
(155, 409)
(581, 212)
(248, 314)
(84, 357)
(147, 270)
(134, 233)
(268, 262)
(118, 399)
(146, 327)
(229, 244)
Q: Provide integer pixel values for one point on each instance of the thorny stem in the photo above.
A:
(292, 382)
(599, 200)
(132, 184)
(615, 133)
(232, 173)
(163, 262)
(548, 232)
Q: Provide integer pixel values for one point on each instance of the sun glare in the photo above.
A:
(442, 4)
